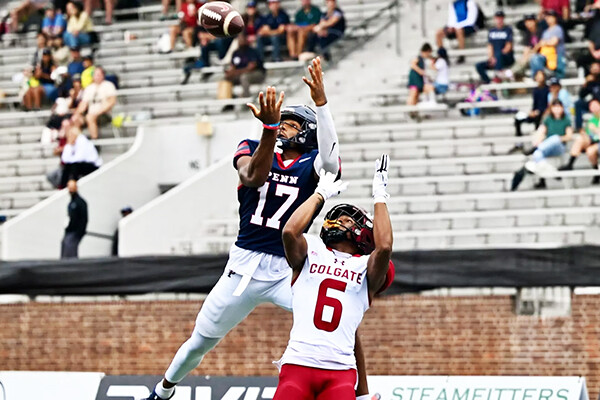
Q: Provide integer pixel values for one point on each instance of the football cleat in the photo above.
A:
(154, 396)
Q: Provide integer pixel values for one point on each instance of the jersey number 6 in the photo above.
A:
(323, 300)
(281, 190)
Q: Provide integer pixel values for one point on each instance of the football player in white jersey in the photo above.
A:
(334, 279)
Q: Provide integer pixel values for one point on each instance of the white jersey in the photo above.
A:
(329, 299)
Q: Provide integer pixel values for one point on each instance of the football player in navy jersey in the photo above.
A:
(276, 175)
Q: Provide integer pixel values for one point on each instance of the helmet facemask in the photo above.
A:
(306, 138)
(361, 234)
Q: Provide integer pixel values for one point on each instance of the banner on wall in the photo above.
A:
(31, 385)
(478, 388)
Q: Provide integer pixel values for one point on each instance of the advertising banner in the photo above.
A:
(28, 385)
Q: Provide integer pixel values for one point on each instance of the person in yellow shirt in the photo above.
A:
(87, 76)
(79, 26)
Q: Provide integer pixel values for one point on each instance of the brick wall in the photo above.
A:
(402, 335)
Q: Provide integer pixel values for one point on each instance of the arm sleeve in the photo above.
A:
(329, 149)
(472, 13)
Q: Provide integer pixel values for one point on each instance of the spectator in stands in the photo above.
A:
(559, 7)
(558, 92)
(330, 29)
(75, 67)
(98, 100)
(78, 219)
(540, 104)
(416, 81)
(592, 34)
(24, 10)
(87, 75)
(271, 30)
(79, 26)
(165, 11)
(500, 48)
(108, 9)
(588, 141)
(549, 141)
(589, 90)
(79, 156)
(208, 44)
(462, 20)
(41, 45)
(54, 22)
(65, 107)
(188, 24)
(251, 18)
(531, 34)
(60, 52)
(246, 66)
(125, 211)
(41, 84)
(307, 17)
(441, 83)
(551, 48)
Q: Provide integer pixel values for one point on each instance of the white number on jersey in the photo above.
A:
(280, 191)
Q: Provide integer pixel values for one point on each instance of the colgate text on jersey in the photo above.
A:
(336, 271)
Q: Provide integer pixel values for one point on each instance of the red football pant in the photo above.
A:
(305, 383)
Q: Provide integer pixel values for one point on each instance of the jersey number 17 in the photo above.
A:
(280, 191)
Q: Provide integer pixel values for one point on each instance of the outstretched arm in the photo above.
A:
(379, 259)
(329, 149)
(254, 171)
(294, 242)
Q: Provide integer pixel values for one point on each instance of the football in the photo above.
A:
(220, 19)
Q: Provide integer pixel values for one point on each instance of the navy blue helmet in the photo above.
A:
(306, 139)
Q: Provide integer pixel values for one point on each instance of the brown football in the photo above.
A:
(220, 19)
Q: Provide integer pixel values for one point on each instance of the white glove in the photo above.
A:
(380, 179)
(328, 187)
(278, 147)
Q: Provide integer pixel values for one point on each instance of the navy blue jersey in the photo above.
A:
(265, 210)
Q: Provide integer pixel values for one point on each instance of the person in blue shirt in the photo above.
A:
(540, 104)
(500, 48)
(54, 22)
(560, 93)
(271, 30)
(329, 29)
(76, 65)
(246, 66)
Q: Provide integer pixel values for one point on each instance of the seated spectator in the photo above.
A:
(87, 75)
(208, 44)
(561, 9)
(588, 141)
(65, 107)
(188, 24)
(560, 93)
(416, 81)
(165, 11)
(592, 53)
(60, 52)
(24, 10)
(531, 34)
(54, 22)
(42, 84)
(41, 45)
(108, 9)
(590, 90)
(550, 49)
(307, 17)
(79, 26)
(75, 67)
(246, 66)
(251, 18)
(79, 157)
(98, 100)
(540, 104)
(271, 30)
(549, 141)
(462, 23)
(500, 48)
(330, 29)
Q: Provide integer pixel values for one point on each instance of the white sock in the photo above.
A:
(163, 392)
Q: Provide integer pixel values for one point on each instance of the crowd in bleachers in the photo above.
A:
(555, 113)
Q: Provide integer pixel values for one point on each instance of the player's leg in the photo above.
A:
(362, 389)
(339, 386)
(220, 312)
(294, 383)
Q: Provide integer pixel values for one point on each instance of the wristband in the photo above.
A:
(272, 127)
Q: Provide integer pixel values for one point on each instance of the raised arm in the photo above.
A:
(379, 259)
(329, 149)
(294, 242)
(253, 171)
